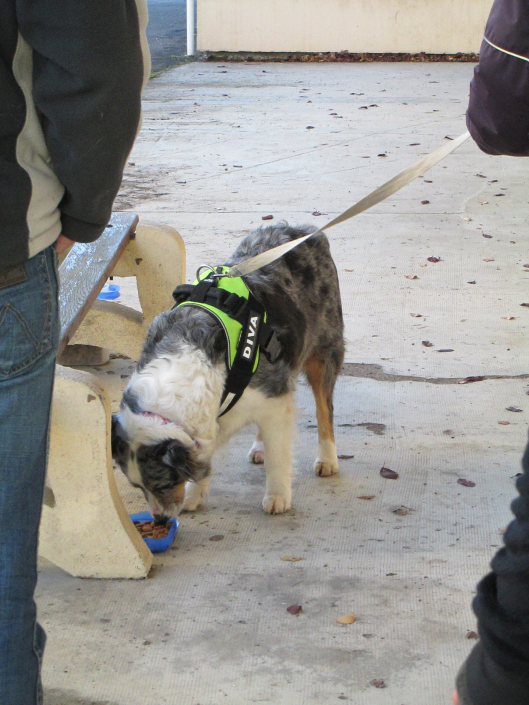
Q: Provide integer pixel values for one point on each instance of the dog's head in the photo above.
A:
(160, 469)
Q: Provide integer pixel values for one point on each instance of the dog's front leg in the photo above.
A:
(277, 429)
(195, 493)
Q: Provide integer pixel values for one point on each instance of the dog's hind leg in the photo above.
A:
(256, 452)
(322, 380)
(276, 423)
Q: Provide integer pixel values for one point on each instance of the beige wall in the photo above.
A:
(432, 26)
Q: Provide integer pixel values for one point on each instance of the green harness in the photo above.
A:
(243, 319)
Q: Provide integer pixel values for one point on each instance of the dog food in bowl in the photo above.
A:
(157, 537)
(148, 529)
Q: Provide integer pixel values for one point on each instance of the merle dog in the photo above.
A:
(168, 427)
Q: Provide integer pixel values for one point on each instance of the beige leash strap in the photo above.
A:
(380, 194)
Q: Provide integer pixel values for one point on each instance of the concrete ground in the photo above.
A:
(166, 33)
(222, 146)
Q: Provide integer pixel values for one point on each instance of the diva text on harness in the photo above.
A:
(243, 320)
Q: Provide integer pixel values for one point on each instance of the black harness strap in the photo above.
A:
(255, 334)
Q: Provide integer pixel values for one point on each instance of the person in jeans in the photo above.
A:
(71, 75)
(497, 670)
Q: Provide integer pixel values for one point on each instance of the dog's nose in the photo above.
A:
(160, 519)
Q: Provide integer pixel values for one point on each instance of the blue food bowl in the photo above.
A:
(109, 293)
(157, 545)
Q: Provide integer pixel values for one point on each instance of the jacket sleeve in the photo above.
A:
(498, 111)
(497, 670)
(90, 62)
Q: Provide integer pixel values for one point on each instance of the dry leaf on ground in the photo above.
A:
(472, 635)
(466, 483)
(388, 474)
(409, 276)
(292, 559)
(513, 408)
(348, 619)
(267, 217)
(416, 315)
(367, 496)
(489, 237)
(346, 457)
(434, 259)
(468, 380)
(378, 683)
(446, 350)
(427, 344)
(294, 609)
(508, 318)
(504, 423)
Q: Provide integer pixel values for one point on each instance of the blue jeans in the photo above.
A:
(29, 333)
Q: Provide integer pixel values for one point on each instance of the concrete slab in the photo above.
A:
(210, 626)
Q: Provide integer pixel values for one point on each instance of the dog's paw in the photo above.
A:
(191, 504)
(275, 504)
(324, 468)
(256, 453)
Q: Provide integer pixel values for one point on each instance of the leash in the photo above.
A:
(380, 194)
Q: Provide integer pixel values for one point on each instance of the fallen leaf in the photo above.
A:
(434, 259)
(402, 511)
(316, 213)
(416, 315)
(481, 176)
(388, 574)
(525, 305)
(294, 609)
(367, 496)
(423, 265)
(90, 398)
(346, 457)
(482, 202)
(526, 265)
(217, 537)
(445, 350)
(378, 682)
(138, 260)
(466, 483)
(310, 127)
(488, 260)
(267, 217)
(410, 276)
(388, 474)
(382, 155)
(472, 635)
(472, 282)
(348, 619)
(427, 344)
(349, 270)
(499, 194)
(292, 559)
(425, 203)
(489, 237)
(504, 423)
(237, 166)
(508, 318)
(515, 409)
(468, 380)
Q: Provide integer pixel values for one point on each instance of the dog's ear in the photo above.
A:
(119, 445)
(179, 459)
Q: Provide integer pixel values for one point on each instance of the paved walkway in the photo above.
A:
(223, 145)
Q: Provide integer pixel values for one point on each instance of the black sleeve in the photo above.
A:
(497, 671)
(88, 72)
(498, 111)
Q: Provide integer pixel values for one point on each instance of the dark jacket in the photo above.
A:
(498, 111)
(71, 73)
(497, 670)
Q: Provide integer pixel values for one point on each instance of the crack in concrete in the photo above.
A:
(376, 372)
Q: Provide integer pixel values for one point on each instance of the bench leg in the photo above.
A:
(156, 257)
(88, 532)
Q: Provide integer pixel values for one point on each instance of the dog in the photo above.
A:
(168, 427)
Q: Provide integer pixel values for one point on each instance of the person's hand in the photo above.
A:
(62, 244)
(455, 698)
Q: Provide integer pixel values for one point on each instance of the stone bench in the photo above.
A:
(85, 528)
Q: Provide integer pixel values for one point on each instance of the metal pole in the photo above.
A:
(190, 27)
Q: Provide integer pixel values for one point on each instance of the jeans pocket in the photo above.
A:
(28, 314)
